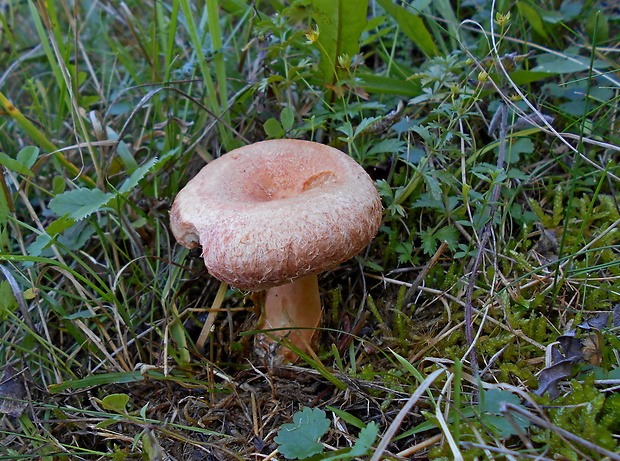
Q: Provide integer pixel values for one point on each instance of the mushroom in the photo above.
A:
(269, 217)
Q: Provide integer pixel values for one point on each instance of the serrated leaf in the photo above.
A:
(299, 439)
(433, 186)
(28, 156)
(391, 146)
(364, 124)
(79, 203)
(429, 242)
(448, 234)
(40, 243)
(364, 441)
(384, 188)
(405, 252)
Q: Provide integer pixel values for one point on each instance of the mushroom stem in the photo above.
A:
(294, 305)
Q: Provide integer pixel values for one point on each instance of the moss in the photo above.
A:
(520, 370)
(584, 411)
(536, 327)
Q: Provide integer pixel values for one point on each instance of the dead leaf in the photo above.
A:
(547, 243)
(615, 316)
(592, 348)
(598, 322)
(561, 366)
(12, 393)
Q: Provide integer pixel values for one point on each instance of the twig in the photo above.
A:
(502, 113)
(416, 283)
(402, 414)
(504, 451)
(420, 446)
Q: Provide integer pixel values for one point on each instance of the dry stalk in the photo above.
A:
(402, 414)
(502, 114)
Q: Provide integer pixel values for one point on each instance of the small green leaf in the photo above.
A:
(123, 151)
(28, 156)
(362, 446)
(391, 146)
(490, 406)
(58, 185)
(61, 224)
(522, 76)
(178, 333)
(348, 417)
(519, 147)
(378, 84)
(299, 439)
(597, 27)
(85, 314)
(365, 123)
(273, 129)
(115, 402)
(79, 203)
(7, 300)
(533, 18)
(433, 185)
(287, 117)
(130, 183)
(14, 165)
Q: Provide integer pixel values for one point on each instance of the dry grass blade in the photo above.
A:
(402, 414)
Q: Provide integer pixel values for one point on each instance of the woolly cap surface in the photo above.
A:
(274, 211)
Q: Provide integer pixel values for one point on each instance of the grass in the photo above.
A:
(480, 323)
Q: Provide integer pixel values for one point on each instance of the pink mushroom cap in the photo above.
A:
(271, 212)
